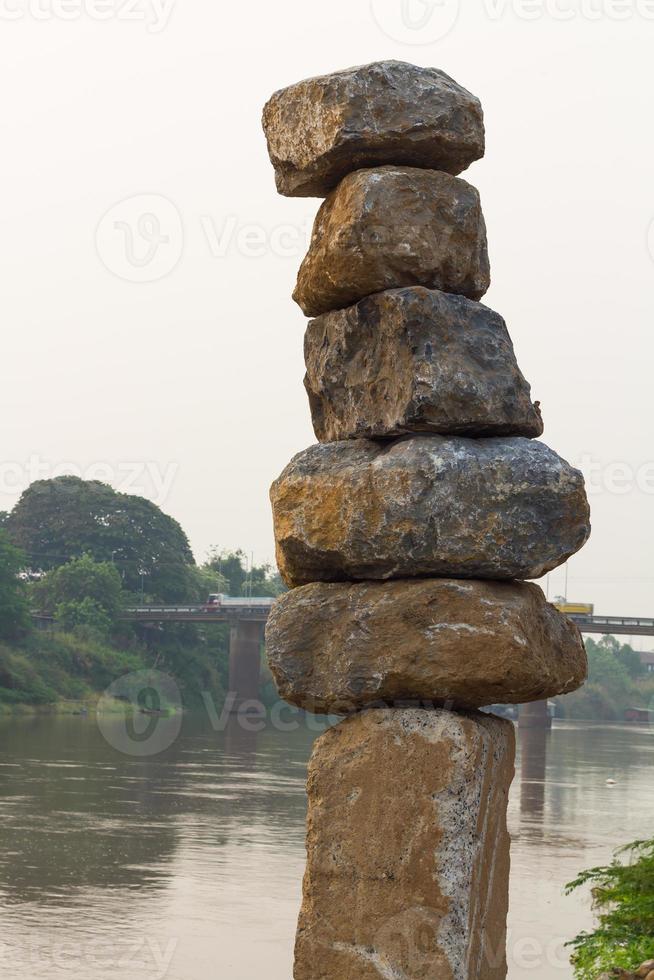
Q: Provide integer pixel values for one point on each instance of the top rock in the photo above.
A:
(389, 112)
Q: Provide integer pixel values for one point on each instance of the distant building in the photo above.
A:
(647, 660)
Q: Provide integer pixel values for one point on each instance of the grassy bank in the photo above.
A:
(68, 672)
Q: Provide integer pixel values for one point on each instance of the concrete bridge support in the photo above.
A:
(535, 715)
(245, 640)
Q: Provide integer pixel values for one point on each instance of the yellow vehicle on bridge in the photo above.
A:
(575, 608)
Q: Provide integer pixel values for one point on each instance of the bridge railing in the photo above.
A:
(225, 611)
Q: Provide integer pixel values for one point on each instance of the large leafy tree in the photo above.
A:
(14, 612)
(58, 520)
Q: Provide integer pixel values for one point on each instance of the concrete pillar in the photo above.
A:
(245, 641)
(535, 715)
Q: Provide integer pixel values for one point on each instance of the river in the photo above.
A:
(187, 864)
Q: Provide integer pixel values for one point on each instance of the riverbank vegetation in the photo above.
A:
(623, 898)
(617, 682)
(77, 553)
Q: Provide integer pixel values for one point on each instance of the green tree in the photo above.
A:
(82, 592)
(260, 580)
(607, 669)
(208, 581)
(14, 610)
(86, 613)
(623, 653)
(623, 896)
(231, 565)
(611, 686)
(58, 520)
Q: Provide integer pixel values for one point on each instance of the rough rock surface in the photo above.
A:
(411, 360)
(427, 506)
(394, 226)
(408, 851)
(336, 648)
(323, 128)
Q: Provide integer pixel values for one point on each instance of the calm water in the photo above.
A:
(187, 865)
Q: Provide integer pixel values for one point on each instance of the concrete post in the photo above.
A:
(245, 641)
(535, 715)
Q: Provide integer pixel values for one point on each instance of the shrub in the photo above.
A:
(623, 896)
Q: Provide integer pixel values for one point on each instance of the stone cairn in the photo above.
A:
(406, 533)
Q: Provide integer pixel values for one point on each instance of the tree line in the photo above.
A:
(80, 551)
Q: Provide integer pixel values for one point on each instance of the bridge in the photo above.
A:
(614, 625)
(229, 610)
(257, 610)
(247, 617)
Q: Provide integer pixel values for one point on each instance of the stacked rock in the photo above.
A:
(405, 534)
(644, 972)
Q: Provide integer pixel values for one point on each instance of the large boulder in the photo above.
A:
(323, 128)
(407, 848)
(427, 506)
(394, 226)
(336, 648)
(411, 360)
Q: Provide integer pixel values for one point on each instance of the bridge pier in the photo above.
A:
(245, 639)
(535, 715)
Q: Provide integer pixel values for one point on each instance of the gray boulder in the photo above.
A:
(323, 128)
(415, 360)
(390, 227)
(427, 506)
(336, 648)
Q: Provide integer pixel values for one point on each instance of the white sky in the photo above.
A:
(198, 375)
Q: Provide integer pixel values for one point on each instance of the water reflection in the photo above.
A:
(193, 859)
(533, 746)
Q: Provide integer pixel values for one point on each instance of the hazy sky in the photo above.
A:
(164, 353)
